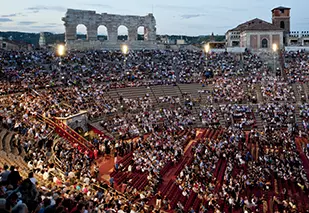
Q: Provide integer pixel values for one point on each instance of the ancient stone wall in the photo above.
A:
(93, 21)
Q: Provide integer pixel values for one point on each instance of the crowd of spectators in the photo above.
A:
(245, 180)
(297, 66)
(241, 116)
(304, 115)
(277, 115)
(274, 89)
(63, 178)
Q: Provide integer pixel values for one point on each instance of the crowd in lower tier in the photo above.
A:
(236, 171)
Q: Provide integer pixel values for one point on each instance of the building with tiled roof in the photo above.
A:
(7, 44)
(260, 34)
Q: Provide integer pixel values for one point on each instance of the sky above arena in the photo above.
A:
(195, 17)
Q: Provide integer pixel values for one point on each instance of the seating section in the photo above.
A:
(10, 155)
(269, 199)
(137, 178)
(172, 190)
(218, 135)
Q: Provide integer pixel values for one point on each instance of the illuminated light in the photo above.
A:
(125, 49)
(61, 50)
(206, 48)
(275, 47)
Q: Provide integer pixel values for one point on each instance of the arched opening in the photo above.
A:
(141, 33)
(79, 130)
(81, 32)
(282, 25)
(102, 33)
(264, 43)
(123, 33)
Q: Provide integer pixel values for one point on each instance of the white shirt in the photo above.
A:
(33, 180)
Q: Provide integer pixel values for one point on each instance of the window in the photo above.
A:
(81, 32)
(264, 43)
(102, 33)
(3, 45)
(282, 25)
(123, 33)
(235, 43)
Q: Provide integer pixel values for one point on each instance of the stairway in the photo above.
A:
(222, 120)
(3, 133)
(196, 113)
(7, 142)
(298, 92)
(69, 134)
(135, 92)
(258, 91)
(268, 57)
(258, 119)
(298, 119)
(158, 92)
(306, 91)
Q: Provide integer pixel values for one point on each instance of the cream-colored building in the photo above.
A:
(6, 44)
(260, 34)
(42, 40)
(298, 38)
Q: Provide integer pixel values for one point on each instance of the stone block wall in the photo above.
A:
(93, 20)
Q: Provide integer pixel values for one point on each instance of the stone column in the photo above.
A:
(281, 40)
(132, 33)
(150, 33)
(112, 33)
(70, 32)
(92, 32)
(259, 41)
(146, 34)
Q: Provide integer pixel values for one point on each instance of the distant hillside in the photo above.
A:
(33, 38)
(197, 39)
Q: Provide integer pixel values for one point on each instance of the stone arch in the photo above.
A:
(93, 20)
(122, 32)
(148, 33)
(81, 31)
(102, 33)
(264, 43)
(141, 33)
(78, 124)
(282, 25)
(79, 130)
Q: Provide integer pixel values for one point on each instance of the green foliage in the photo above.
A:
(33, 38)
(51, 38)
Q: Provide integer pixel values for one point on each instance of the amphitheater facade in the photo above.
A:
(93, 21)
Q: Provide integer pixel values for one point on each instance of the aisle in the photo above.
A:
(106, 166)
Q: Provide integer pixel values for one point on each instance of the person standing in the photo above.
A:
(4, 175)
(14, 177)
(111, 182)
(158, 200)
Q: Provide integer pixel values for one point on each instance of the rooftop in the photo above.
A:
(256, 24)
(281, 8)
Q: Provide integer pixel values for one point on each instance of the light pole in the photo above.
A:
(60, 51)
(206, 49)
(125, 51)
(275, 48)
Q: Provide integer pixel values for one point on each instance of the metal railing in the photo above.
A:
(65, 131)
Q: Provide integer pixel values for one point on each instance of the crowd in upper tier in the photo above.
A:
(238, 170)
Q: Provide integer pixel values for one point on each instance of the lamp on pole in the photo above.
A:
(60, 52)
(275, 48)
(206, 49)
(125, 51)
